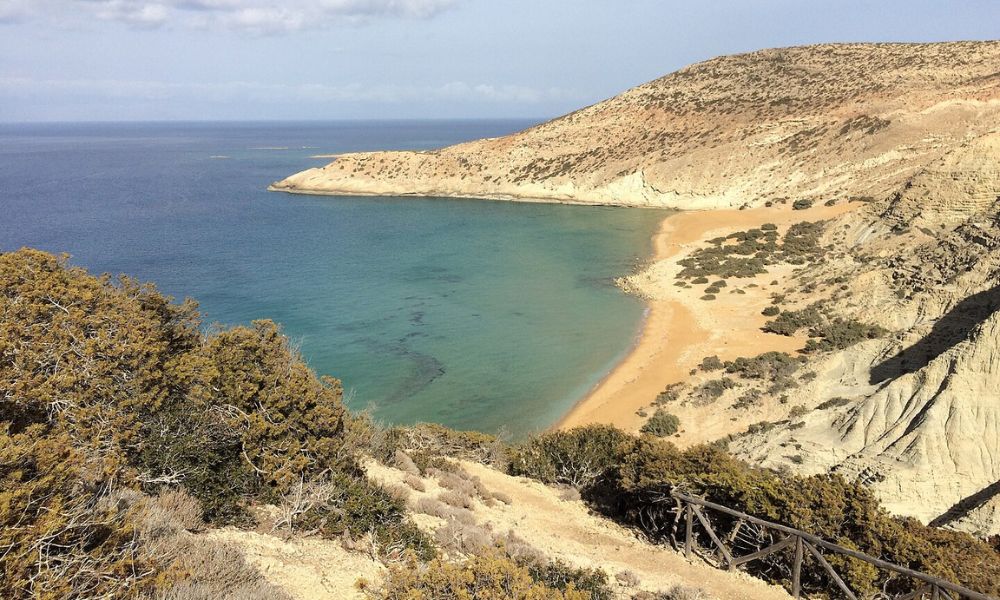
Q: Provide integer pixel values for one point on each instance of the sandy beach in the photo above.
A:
(681, 329)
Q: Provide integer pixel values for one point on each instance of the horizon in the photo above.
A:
(174, 61)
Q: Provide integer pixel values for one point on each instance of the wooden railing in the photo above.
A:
(692, 509)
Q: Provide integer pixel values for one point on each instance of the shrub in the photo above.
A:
(637, 492)
(490, 576)
(714, 388)
(802, 204)
(842, 333)
(833, 403)
(770, 311)
(790, 322)
(710, 363)
(661, 424)
(116, 386)
(62, 533)
(669, 394)
(558, 575)
(578, 457)
(769, 365)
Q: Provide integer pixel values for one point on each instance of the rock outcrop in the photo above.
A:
(916, 415)
(845, 120)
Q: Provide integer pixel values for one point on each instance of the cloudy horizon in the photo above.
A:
(107, 60)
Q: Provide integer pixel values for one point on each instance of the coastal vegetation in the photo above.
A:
(630, 480)
(129, 427)
(748, 253)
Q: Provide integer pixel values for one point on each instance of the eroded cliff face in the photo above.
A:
(917, 414)
(852, 120)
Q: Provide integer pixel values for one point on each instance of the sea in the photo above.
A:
(486, 315)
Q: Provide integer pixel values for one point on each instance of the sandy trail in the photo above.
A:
(568, 531)
(681, 329)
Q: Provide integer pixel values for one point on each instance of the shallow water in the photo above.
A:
(475, 314)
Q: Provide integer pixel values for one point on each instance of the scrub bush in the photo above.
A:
(661, 424)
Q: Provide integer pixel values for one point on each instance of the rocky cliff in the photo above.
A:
(916, 414)
(850, 120)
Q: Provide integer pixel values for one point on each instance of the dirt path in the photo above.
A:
(567, 530)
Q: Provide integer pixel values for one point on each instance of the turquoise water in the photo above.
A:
(475, 314)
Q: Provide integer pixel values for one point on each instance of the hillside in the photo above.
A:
(896, 290)
(846, 120)
(145, 455)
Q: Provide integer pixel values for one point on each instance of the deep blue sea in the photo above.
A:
(476, 314)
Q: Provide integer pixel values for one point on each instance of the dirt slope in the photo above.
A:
(817, 121)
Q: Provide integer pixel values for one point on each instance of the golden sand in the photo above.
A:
(681, 329)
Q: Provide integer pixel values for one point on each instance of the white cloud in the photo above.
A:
(255, 16)
(23, 87)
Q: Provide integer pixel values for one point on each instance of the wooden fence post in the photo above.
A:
(688, 529)
(797, 568)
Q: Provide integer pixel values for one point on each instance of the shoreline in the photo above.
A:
(679, 329)
(568, 201)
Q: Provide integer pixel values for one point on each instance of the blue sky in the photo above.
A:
(343, 59)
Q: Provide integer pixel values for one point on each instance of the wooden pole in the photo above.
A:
(688, 530)
(797, 568)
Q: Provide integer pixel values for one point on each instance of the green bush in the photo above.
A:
(710, 363)
(125, 389)
(841, 333)
(661, 424)
(714, 388)
(769, 365)
(578, 457)
(790, 322)
(802, 204)
(770, 311)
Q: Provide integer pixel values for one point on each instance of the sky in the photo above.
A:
(110, 60)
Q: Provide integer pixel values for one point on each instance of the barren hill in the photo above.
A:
(842, 120)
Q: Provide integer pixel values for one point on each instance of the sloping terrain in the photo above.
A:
(845, 120)
(915, 414)
(912, 131)
(532, 515)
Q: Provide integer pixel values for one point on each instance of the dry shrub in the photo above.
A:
(684, 592)
(214, 569)
(302, 502)
(455, 499)
(403, 462)
(459, 538)
(503, 497)
(456, 483)
(398, 491)
(436, 508)
(569, 494)
(491, 576)
(170, 512)
(430, 439)
(628, 578)
(415, 483)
